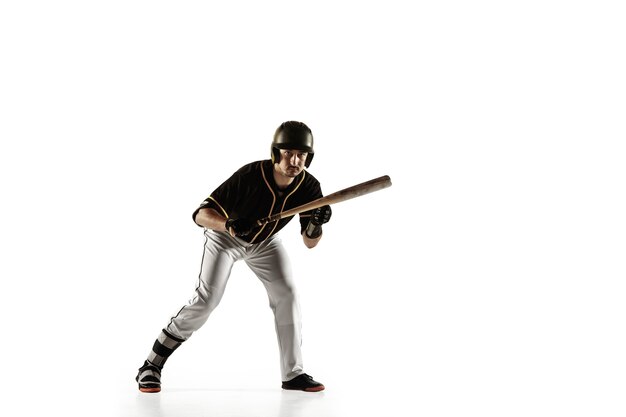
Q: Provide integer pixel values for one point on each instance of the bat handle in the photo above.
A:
(268, 219)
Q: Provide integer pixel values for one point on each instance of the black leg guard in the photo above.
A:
(163, 347)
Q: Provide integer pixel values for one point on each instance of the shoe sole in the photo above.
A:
(312, 389)
(149, 389)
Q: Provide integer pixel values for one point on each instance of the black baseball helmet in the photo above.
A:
(293, 135)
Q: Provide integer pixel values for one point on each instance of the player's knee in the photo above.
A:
(289, 299)
(208, 298)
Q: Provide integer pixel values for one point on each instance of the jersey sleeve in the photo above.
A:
(209, 202)
(222, 198)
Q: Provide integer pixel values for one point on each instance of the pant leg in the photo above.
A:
(270, 263)
(220, 253)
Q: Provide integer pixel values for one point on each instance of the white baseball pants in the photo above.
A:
(269, 261)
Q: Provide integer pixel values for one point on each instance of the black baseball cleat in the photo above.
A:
(149, 378)
(303, 382)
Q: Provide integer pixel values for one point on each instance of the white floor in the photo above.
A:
(262, 402)
(241, 403)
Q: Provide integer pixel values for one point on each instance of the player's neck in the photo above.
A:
(281, 180)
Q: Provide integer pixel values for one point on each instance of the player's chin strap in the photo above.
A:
(163, 347)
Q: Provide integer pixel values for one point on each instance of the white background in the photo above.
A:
(486, 281)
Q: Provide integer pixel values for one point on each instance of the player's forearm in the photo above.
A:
(310, 242)
(211, 219)
(313, 231)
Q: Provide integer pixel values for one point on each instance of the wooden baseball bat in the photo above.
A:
(336, 197)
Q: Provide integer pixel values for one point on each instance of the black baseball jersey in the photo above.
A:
(252, 193)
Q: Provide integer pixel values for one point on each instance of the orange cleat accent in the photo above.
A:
(150, 389)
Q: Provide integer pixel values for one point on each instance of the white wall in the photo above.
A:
(487, 279)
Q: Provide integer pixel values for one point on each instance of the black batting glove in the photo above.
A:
(321, 215)
(240, 227)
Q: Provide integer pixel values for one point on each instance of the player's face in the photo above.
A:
(291, 162)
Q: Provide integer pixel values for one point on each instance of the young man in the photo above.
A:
(229, 215)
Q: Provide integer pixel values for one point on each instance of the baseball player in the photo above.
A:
(228, 216)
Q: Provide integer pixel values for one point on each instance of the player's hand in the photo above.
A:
(240, 227)
(321, 215)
